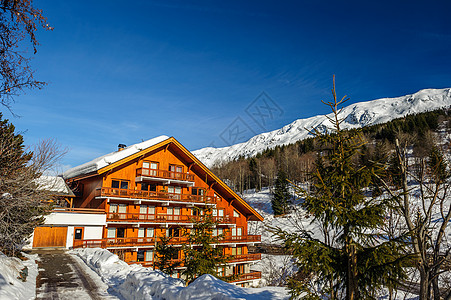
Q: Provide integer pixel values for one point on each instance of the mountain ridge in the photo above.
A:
(356, 115)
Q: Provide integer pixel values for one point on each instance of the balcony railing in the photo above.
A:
(150, 241)
(245, 257)
(115, 242)
(137, 194)
(164, 174)
(247, 276)
(164, 218)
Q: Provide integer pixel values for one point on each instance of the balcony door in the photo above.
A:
(176, 171)
(174, 192)
(150, 168)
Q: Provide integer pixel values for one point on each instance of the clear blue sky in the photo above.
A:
(122, 72)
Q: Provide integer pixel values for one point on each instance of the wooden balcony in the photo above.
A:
(148, 195)
(115, 242)
(245, 257)
(163, 218)
(247, 277)
(146, 174)
(150, 241)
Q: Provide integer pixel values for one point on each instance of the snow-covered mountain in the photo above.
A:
(355, 115)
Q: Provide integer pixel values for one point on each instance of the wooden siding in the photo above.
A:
(49, 237)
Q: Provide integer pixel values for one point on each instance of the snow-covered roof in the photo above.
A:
(55, 185)
(108, 159)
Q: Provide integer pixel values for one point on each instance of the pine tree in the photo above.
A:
(202, 256)
(348, 260)
(166, 256)
(281, 194)
(20, 199)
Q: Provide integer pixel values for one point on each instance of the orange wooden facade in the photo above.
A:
(155, 193)
(49, 237)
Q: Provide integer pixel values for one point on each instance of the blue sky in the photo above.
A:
(122, 73)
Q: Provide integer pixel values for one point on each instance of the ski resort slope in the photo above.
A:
(354, 116)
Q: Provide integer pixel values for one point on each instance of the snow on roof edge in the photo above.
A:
(110, 158)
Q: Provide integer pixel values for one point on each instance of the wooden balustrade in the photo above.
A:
(150, 241)
(138, 194)
(247, 276)
(164, 174)
(164, 218)
(245, 257)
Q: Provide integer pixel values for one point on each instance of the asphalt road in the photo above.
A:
(62, 277)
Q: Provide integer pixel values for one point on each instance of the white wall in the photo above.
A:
(89, 233)
(92, 225)
(76, 219)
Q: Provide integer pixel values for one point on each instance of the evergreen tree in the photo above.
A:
(166, 256)
(202, 256)
(281, 194)
(20, 199)
(348, 260)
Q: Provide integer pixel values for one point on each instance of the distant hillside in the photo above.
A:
(356, 115)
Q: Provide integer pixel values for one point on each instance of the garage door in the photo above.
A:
(49, 237)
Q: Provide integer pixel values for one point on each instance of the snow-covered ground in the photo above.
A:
(11, 287)
(136, 282)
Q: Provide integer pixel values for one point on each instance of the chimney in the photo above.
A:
(121, 147)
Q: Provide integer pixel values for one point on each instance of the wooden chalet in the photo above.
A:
(154, 188)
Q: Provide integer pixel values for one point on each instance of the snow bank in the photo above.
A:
(11, 287)
(136, 282)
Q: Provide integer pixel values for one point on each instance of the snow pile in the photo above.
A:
(137, 282)
(355, 115)
(11, 287)
(113, 157)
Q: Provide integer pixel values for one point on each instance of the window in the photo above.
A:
(140, 255)
(174, 192)
(78, 233)
(146, 209)
(119, 184)
(149, 232)
(238, 231)
(150, 168)
(149, 255)
(175, 168)
(220, 271)
(174, 189)
(236, 214)
(118, 209)
(218, 232)
(111, 232)
(176, 171)
(197, 191)
(198, 211)
(173, 211)
(120, 232)
(113, 208)
(173, 232)
(148, 187)
(218, 212)
(141, 232)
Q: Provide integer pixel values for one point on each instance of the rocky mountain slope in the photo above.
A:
(355, 115)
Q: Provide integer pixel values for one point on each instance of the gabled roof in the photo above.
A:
(112, 160)
(103, 161)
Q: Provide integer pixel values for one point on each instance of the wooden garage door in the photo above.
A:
(49, 237)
